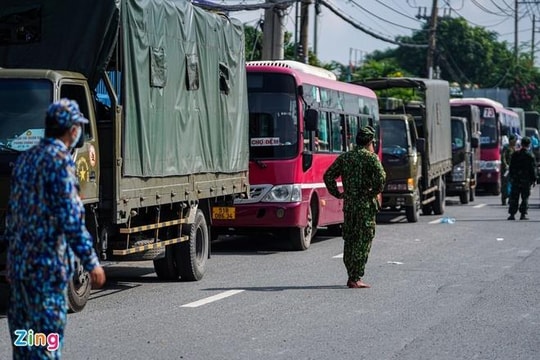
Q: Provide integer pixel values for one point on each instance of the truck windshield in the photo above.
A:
(23, 103)
(273, 116)
(458, 135)
(394, 137)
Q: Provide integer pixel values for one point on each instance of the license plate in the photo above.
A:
(223, 213)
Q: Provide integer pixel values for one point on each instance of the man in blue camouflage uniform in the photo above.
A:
(45, 228)
(363, 179)
(522, 177)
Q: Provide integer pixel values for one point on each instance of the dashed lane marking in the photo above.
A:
(479, 206)
(213, 298)
(338, 256)
(437, 221)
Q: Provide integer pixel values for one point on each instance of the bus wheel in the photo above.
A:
(301, 237)
(191, 255)
(79, 288)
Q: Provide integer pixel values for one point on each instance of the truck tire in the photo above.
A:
(413, 212)
(464, 197)
(300, 238)
(79, 288)
(472, 194)
(440, 198)
(190, 256)
(165, 267)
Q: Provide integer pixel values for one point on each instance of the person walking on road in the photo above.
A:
(506, 155)
(363, 179)
(522, 176)
(45, 229)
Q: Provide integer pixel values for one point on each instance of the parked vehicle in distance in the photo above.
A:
(172, 144)
(465, 152)
(300, 120)
(495, 123)
(425, 189)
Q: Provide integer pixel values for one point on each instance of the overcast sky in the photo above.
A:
(340, 41)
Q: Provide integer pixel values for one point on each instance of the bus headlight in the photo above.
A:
(283, 193)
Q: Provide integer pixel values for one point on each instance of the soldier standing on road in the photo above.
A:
(45, 229)
(522, 177)
(506, 155)
(363, 179)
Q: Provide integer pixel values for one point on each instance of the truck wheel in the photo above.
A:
(79, 288)
(301, 237)
(413, 212)
(440, 198)
(191, 255)
(472, 194)
(165, 267)
(464, 197)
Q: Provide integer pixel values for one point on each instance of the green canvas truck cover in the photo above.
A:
(183, 75)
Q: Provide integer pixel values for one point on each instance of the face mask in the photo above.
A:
(77, 137)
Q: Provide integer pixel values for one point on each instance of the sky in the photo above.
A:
(337, 40)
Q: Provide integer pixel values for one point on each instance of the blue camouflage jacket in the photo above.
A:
(45, 223)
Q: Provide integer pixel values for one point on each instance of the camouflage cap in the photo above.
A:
(512, 137)
(365, 135)
(64, 114)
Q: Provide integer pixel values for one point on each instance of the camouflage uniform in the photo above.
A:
(45, 229)
(522, 176)
(363, 179)
(506, 155)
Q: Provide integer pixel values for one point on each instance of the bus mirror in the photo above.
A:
(475, 143)
(421, 145)
(307, 160)
(311, 119)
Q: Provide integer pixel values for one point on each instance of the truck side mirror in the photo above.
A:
(421, 145)
(307, 160)
(474, 143)
(311, 119)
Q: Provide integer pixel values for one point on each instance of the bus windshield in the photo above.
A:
(273, 116)
(23, 103)
(489, 133)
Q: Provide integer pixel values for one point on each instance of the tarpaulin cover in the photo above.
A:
(184, 81)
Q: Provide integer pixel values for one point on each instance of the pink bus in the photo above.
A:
(495, 122)
(301, 119)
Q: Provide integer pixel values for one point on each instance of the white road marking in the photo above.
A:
(438, 221)
(210, 299)
(479, 206)
(500, 239)
(338, 256)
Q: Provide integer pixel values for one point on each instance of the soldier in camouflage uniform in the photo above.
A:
(506, 155)
(45, 229)
(522, 176)
(363, 179)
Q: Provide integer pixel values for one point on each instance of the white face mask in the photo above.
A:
(77, 137)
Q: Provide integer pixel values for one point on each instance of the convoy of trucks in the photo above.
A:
(168, 148)
(417, 163)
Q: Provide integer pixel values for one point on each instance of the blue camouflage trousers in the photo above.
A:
(37, 308)
(358, 233)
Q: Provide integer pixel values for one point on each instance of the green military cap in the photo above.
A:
(365, 135)
(525, 141)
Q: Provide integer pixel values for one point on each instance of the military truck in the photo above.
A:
(462, 180)
(165, 147)
(427, 101)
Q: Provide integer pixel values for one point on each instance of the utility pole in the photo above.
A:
(532, 38)
(304, 27)
(516, 2)
(432, 39)
(272, 48)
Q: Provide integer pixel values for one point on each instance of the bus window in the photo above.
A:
(322, 140)
(352, 130)
(337, 144)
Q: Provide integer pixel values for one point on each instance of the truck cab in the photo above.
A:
(401, 159)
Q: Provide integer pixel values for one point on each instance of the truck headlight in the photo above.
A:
(284, 193)
(458, 172)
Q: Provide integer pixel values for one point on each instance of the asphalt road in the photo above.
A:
(463, 290)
